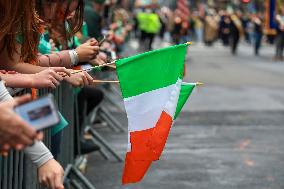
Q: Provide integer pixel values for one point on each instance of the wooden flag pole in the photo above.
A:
(199, 84)
(89, 69)
(111, 64)
(103, 81)
(108, 65)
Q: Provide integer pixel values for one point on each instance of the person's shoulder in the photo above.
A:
(89, 10)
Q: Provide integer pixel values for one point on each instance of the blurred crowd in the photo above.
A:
(210, 25)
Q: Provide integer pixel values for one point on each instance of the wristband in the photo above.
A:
(74, 57)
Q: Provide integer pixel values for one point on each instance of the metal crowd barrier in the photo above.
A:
(16, 171)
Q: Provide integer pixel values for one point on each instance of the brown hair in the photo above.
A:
(56, 27)
(19, 22)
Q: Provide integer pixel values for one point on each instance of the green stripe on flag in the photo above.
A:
(151, 70)
(185, 92)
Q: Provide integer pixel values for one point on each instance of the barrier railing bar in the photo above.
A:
(98, 137)
(112, 120)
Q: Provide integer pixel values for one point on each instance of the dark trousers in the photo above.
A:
(90, 97)
(55, 144)
(234, 43)
(279, 45)
(147, 40)
(257, 42)
(225, 39)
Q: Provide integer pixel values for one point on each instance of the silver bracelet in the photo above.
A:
(74, 57)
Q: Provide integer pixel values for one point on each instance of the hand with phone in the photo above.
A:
(14, 131)
(40, 114)
(88, 51)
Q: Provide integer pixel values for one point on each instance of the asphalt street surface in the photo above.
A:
(230, 134)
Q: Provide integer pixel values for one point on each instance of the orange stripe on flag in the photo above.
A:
(160, 134)
(134, 170)
(146, 146)
(139, 159)
(140, 148)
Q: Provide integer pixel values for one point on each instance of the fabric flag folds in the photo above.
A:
(154, 94)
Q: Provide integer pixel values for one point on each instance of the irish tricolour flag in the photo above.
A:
(154, 94)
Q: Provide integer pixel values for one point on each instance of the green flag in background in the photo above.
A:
(185, 92)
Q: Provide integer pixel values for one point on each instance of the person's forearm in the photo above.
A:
(38, 153)
(60, 59)
(17, 80)
(26, 68)
(6, 63)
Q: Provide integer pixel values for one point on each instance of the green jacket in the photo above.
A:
(93, 20)
(149, 22)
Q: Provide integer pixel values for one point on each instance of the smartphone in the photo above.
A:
(40, 114)
(102, 41)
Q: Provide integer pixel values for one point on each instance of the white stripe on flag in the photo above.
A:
(148, 108)
(143, 111)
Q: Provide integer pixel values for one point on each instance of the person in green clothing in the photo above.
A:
(89, 96)
(81, 36)
(149, 25)
(93, 18)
